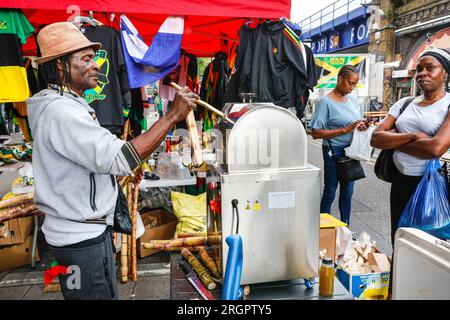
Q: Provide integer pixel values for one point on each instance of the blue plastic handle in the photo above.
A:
(233, 272)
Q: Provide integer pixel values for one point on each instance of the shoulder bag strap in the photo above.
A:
(332, 151)
(405, 105)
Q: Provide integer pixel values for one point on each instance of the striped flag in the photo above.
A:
(146, 65)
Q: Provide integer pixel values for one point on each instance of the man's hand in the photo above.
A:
(183, 103)
(137, 176)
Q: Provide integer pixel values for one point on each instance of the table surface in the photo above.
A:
(181, 289)
(173, 178)
(12, 167)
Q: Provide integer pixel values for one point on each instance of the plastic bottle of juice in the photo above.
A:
(326, 277)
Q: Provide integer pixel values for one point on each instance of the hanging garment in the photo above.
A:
(136, 114)
(192, 72)
(20, 108)
(14, 30)
(215, 81)
(15, 22)
(278, 68)
(107, 99)
(240, 80)
(148, 64)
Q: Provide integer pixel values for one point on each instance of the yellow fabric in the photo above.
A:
(14, 84)
(190, 211)
(9, 195)
(328, 221)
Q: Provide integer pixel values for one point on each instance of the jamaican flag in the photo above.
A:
(14, 31)
(13, 76)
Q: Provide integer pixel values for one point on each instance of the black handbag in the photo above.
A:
(384, 165)
(122, 219)
(348, 169)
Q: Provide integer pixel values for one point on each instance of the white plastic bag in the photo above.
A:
(360, 148)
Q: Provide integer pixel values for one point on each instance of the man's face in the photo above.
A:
(83, 69)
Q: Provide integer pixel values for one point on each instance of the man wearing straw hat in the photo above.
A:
(74, 160)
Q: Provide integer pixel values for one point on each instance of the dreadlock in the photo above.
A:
(346, 71)
(49, 72)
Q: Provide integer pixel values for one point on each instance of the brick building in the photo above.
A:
(407, 28)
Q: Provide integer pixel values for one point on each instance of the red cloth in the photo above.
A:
(207, 23)
(51, 273)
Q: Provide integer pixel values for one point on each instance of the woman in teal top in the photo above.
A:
(337, 115)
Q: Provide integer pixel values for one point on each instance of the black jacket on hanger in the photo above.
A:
(278, 68)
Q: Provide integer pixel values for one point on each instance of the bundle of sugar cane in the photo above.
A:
(133, 233)
(203, 274)
(209, 263)
(19, 212)
(28, 197)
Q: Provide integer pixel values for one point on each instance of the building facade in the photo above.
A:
(393, 32)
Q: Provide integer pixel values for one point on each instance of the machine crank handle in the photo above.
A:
(206, 105)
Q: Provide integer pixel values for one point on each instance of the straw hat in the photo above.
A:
(61, 38)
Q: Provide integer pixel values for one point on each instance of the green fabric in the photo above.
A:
(11, 153)
(14, 21)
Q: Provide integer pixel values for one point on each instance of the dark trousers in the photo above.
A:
(403, 187)
(93, 275)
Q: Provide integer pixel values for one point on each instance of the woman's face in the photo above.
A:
(430, 74)
(347, 84)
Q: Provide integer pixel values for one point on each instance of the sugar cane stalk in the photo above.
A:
(16, 200)
(209, 262)
(191, 234)
(199, 268)
(19, 212)
(165, 247)
(182, 242)
(124, 246)
(133, 234)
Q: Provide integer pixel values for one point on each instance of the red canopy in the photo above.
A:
(207, 23)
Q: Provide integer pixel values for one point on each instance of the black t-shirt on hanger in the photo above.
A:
(106, 99)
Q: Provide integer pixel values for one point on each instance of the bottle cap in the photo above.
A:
(327, 260)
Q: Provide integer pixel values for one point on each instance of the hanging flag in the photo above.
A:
(146, 65)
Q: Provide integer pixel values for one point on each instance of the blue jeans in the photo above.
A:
(331, 184)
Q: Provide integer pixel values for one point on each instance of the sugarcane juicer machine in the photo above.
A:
(261, 172)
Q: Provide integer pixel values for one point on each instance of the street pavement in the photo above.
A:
(370, 203)
(370, 213)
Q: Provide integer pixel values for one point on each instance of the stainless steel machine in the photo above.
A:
(262, 163)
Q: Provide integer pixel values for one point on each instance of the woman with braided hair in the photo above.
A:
(336, 116)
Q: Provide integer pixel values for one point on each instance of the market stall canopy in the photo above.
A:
(207, 23)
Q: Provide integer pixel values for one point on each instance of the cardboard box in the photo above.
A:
(328, 241)
(18, 230)
(167, 224)
(17, 255)
(371, 286)
(328, 225)
(379, 262)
